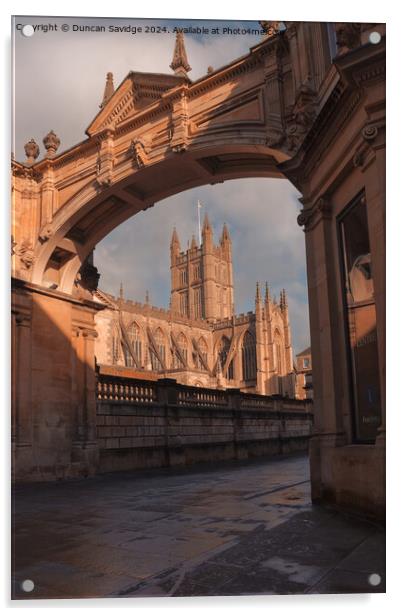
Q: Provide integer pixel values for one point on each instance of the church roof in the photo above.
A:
(305, 352)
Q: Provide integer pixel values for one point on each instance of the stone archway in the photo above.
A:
(293, 107)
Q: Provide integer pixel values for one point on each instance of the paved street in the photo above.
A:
(230, 529)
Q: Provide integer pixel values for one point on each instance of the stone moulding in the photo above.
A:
(312, 214)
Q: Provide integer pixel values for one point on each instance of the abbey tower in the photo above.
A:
(200, 340)
(202, 276)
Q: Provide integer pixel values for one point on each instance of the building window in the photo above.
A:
(197, 271)
(134, 336)
(249, 359)
(198, 312)
(306, 362)
(278, 353)
(159, 339)
(223, 353)
(182, 344)
(184, 304)
(183, 277)
(360, 320)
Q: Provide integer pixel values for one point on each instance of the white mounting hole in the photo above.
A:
(374, 579)
(27, 30)
(27, 585)
(374, 38)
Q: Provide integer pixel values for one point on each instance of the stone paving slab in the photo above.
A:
(237, 528)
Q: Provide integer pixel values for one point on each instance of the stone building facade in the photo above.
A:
(303, 367)
(199, 340)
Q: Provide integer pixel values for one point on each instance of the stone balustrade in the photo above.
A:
(148, 423)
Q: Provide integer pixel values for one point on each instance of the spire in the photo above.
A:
(121, 291)
(193, 243)
(257, 293)
(180, 64)
(267, 294)
(283, 301)
(207, 239)
(147, 297)
(225, 234)
(175, 239)
(206, 225)
(109, 90)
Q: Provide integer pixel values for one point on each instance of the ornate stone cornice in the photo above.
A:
(18, 283)
(311, 215)
(22, 171)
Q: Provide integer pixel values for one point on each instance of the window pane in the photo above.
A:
(361, 321)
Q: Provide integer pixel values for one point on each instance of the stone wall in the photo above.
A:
(144, 424)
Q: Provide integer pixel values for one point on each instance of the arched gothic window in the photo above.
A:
(184, 304)
(197, 271)
(223, 352)
(134, 335)
(249, 358)
(160, 343)
(182, 344)
(183, 277)
(198, 303)
(203, 348)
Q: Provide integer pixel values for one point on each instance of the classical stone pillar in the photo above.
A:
(22, 380)
(329, 430)
(324, 321)
(291, 35)
(319, 53)
(84, 385)
(84, 447)
(21, 395)
(273, 92)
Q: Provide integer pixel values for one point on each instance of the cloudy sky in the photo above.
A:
(59, 81)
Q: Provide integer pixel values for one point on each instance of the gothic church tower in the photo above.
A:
(202, 277)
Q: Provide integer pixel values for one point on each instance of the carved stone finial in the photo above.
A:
(347, 36)
(257, 293)
(51, 143)
(283, 300)
(109, 90)
(180, 64)
(25, 252)
(32, 151)
(210, 70)
(267, 294)
(271, 28)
